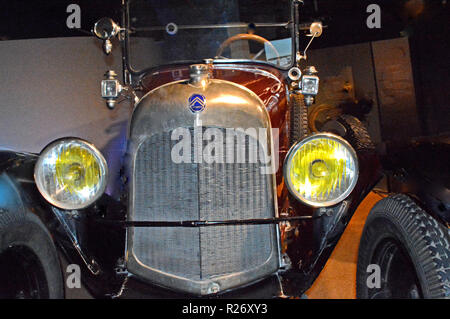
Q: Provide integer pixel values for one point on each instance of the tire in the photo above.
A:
(299, 118)
(356, 132)
(29, 263)
(411, 248)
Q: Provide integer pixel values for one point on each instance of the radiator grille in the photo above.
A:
(164, 190)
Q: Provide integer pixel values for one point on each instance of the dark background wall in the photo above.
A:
(424, 24)
(404, 66)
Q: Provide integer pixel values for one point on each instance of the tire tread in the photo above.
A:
(430, 239)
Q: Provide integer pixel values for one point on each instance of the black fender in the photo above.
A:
(314, 240)
(78, 235)
(419, 167)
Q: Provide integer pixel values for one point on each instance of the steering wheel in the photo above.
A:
(247, 36)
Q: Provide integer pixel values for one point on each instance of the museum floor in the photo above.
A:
(337, 280)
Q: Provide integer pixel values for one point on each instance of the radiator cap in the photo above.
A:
(199, 74)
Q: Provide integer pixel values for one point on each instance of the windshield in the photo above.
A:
(170, 31)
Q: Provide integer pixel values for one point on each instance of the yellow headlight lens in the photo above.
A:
(71, 173)
(321, 170)
(77, 169)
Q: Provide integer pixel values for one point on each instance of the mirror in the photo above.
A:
(105, 29)
(316, 29)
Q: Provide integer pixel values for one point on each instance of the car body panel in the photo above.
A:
(306, 244)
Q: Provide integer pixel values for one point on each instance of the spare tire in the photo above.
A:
(298, 118)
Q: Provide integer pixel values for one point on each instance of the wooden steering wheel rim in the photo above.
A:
(247, 36)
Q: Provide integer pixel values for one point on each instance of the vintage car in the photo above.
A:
(222, 191)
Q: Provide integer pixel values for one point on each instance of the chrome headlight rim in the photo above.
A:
(101, 161)
(287, 169)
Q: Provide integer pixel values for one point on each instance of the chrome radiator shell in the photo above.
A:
(162, 110)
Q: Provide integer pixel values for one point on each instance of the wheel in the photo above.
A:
(29, 263)
(356, 132)
(411, 249)
(352, 129)
(318, 115)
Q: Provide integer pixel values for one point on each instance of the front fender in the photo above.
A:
(74, 234)
(12, 177)
(310, 243)
(419, 167)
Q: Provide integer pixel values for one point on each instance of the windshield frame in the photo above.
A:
(293, 25)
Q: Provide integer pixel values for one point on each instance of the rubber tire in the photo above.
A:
(356, 132)
(26, 229)
(424, 239)
(298, 118)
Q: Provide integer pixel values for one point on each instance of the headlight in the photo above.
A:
(310, 85)
(71, 173)
(321, 170)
